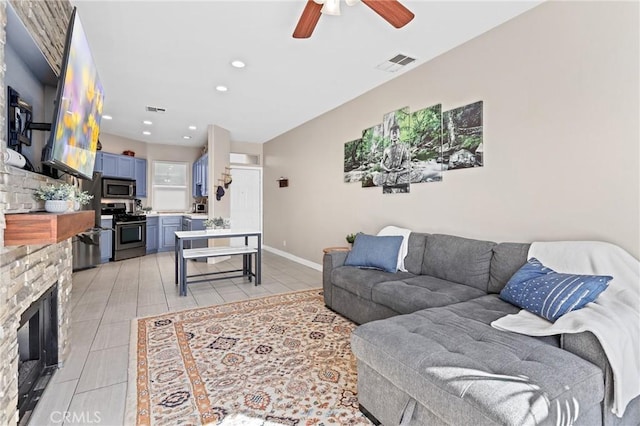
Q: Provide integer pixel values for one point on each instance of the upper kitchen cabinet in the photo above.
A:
(118, 166)
(141, 177)
(124, 167)
(200, 176)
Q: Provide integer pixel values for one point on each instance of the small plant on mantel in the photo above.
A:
(56, 197)
(81, 197)
(62, 191)
(351, 238)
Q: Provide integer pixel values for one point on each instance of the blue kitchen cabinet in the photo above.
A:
(199, 176)
(167, 237)
(152, 235)
(106, 240)
(97, 167)
(141, 177)
(204, 172)
(194, 176)
(119, 166)
(110, 164)
(126, 167)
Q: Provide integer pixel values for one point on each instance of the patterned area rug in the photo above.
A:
(280, 360)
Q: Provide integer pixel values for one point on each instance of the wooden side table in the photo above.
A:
(330, 249)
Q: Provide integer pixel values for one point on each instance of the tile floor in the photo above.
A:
(92, 385)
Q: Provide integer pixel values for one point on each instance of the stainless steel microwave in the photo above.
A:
(118, 188)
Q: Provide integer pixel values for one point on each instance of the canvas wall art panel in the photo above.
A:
(462, 145)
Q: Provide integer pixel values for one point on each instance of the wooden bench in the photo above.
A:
(204, 252)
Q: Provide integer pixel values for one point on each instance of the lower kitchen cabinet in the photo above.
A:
(168, 226)
(152, 235)
(106, 240)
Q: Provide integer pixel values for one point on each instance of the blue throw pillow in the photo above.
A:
(549, 294)
(375, 252)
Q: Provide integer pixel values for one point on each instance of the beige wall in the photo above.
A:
(117, 144)
(561, 131)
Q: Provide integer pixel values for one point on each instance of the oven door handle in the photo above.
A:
(137, 222)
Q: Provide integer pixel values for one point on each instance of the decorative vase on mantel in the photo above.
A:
(56, 206)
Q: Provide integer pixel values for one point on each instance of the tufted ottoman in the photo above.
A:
(447, 365)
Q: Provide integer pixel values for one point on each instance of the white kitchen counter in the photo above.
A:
(189, 215)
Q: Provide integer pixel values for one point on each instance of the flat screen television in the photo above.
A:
(72, 142)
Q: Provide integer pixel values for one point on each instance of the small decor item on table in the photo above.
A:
(218, 222)
(129, 153)
(227, 223)
(56, 197)
(351, 238)
(208, 223)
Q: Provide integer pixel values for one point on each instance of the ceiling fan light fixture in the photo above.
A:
(351, 2)
(331, 7)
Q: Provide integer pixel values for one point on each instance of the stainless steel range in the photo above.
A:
(129, 231)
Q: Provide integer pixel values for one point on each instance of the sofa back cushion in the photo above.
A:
(507, 259)
(458, 259)
(413, 260)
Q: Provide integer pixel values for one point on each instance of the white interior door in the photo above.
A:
(246, 201)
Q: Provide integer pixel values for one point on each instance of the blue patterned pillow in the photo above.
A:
(375, 252)
(549, 294)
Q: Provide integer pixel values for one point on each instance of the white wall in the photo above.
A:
(561, 141)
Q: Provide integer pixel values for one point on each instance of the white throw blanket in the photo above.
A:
(614, 317)
(404, 248)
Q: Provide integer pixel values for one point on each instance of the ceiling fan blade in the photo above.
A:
(392, 11)
(308, 20)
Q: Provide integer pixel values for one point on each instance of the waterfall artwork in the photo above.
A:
(411, 148)
(462, 137)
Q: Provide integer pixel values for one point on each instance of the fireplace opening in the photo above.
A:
(37, 350)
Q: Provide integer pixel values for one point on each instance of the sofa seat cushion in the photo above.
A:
(412, 294)
(466, 372)
(361, 281)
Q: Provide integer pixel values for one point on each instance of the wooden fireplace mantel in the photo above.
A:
(45, 228)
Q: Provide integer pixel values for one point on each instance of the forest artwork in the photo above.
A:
(415, 147)
(353, 161)
(426, 144)
(462, 137)
(370, 154)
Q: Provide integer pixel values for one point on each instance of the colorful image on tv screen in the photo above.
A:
(78, 121)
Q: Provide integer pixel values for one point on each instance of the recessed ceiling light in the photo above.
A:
(107, 117)
(192, 127)
(222, 88)
(186, 137)
(238, 64)
(146, 132)
(147, 122)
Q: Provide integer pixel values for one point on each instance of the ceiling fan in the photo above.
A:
(390, 10)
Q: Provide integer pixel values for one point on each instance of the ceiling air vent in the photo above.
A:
(395, 63)
(155, 109)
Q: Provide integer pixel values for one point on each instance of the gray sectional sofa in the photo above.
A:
(427, 354)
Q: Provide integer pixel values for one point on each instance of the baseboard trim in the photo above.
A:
(297, 259)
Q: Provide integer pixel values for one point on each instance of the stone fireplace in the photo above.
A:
(28, 272)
